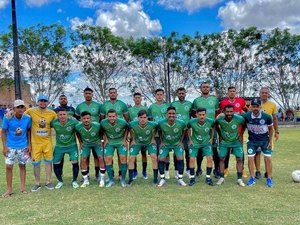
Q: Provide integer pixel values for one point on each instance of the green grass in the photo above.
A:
(144, 204)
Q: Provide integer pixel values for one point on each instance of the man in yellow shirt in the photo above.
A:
(270, 108)
(41, 140)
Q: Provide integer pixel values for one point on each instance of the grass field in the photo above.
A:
(144, 204)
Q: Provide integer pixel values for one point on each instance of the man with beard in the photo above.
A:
(63, 103)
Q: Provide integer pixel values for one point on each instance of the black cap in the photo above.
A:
(256, 101)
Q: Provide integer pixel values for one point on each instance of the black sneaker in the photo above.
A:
(129, 183)
(36, 187)
(257, 175)
(192, 182)
(209, 181)
(49, 186)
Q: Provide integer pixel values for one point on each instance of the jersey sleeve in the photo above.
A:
(125, 108)
(77, 110)
(150, 112)
(5, 123)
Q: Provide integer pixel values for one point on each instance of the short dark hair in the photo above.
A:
(180, 89)
(231, 87)
(88, 89)
(204, 82)
(201, 109)
(63, 95)
(228, 106)
(59, 109)
(171, 108)
(158, 90)
(142, 112)
(111, 111)
(112, 88)
(85, 113)
(137, 94)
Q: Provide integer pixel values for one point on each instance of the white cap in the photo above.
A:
(18, 103)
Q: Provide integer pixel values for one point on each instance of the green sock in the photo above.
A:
(110, 172)
(123, 170)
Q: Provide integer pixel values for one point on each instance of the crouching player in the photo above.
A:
(260, 131)
(88, 134)
(142, 133)
(201, 133)
(65, 144)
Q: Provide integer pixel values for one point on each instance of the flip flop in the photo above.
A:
(6, 195)
(24, 192)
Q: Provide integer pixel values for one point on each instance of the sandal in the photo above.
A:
(24, 192)
(7, 194)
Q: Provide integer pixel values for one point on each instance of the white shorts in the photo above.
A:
(21, 153)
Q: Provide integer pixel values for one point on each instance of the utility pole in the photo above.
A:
(17, 76)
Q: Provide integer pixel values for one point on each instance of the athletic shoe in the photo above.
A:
(209, 181)
(135, 174)
(176, 174)
(257, 175)
(251, 181)
(181, 183)
(59, 185)
(144, 173)
(49, 186)
(97, 179)
(269, 182)
(85, 184)
(226, 172)
(161, 183)
(244, 173)
(167, 174)
(36, 187)
(221, 181)
(129, 183)
(110, 184)
(102, 182)
(240, 182)
(75, 184)
(192, 182)
(123, 183)
(217, 174)
(198, 172)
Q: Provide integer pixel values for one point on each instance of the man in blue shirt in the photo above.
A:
(15, 136)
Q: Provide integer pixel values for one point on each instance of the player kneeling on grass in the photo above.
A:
(142, 133)
(88, 134)
(201, 133)
(115, 136)
(260, 131)
(65, 144)
(171, 132)
(15, 136)
(230, 138)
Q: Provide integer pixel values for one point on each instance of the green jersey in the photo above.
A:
(229, 130)
(201, 133)
(183, 110)
(171, 134)
(211, 104)
(93, 108)
(120, 107)
(90, 136)
(157, 112)
(114, 133)
(65, 134)
(133, 111)
(142, 135)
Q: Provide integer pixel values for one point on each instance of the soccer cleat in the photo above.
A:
(144, 173)
(244, 173)
(251, 181)
(176, 174)
(85, 184)
(192, 182)
(75, 184)
(226, 172)
(167, 174)
(59, 185)
(155, 182)
(257, 175)
(110, 184)
(209, 181)
(198, 172)
(161, 183)
(49, 186)
(269, 182)
(36, 187)
(240, 182)
(123, 183)
(217, 174)
(181, 183)
(221, 181)
(135, 174)
(129, 183)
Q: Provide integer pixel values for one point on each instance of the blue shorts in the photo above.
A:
(257, 146)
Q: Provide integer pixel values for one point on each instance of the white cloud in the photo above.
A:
(128, 20)
(266, 14)
(188, 5)
(59, 10)
(89, 3)
(39, 3)
(76, 22)
(3, 3)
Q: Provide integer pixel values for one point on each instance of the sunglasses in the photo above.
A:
(20, 107)
(43, 100)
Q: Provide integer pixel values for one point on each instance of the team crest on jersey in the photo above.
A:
(186, 108)
(111, 136)
(233, 126)
(211, 102)
(69, 128)
(118, 108)
(206, 129)
(250, 151)
(262, 121)
(175, 130)
(93, 134)
(93, 110)
(42, 123)
(148, 132)
(19, 131)
(237, 105)
(163, 110)
(117, 129)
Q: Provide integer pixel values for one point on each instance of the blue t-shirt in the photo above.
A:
(16, 131)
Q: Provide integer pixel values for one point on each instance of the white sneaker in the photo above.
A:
(240, 182)
(167, 174)
(181, 182)
(59, 185)
(75, 184)
(221, 181)
(161, 183)
(176, 174)
(85, 183)
(102, 180)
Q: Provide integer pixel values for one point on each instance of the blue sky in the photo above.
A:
(146, 18)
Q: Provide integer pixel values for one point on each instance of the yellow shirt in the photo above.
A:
(269, 108)
(41, 130)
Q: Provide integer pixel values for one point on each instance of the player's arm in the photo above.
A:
(213, 129)
(271, 131)
(124, 142)
(153, 137)
(126, 116)
(182, 137)
(275, 124)
(79, 139)
(189, 133)
(29, 140)
(3, 137)
(132, 137)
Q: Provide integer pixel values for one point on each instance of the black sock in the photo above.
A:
(161, 167)
(97, 169)
(144, 166)
(88, 170)
(102, 170)
(239, 175)
(208, 170)
(192, 171)
(155, 175)
(180, 166)
(167, 165)
(58, 171)
(131, 174)
(75, 169)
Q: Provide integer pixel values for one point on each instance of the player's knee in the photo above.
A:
(9, 166)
